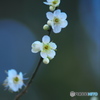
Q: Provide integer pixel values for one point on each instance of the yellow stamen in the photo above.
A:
(16, 79)
(46, 47)
(56, 20)
(54, 2)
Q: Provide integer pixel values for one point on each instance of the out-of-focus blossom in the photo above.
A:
(54, 3)
(36, 46)
(14, 81)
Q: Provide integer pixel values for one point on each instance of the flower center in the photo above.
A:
(46, 47)
(56, 20)
(15, 79)
(54, 2)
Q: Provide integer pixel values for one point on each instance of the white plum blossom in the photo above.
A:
(54, 3)
(46, 48)
(57, 20)
(14, 81)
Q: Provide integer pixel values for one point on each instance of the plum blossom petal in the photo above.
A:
(63, 16)
(54, 3)
(57, 12)
(46, 39)
(36, 46)
(47, 3)
(51, 54)
(43, 54)
(49, 15)
(53, 45)
(12, 73)
(64, 24)
(57, 29)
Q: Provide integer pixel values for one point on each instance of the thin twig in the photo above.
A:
(32, 77)
(30, 81)
(49, 31)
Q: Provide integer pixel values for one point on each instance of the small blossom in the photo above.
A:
(14, 81)
(46, 27)
(47, 48)
(46, 61)
(57, 19)
(54, 3)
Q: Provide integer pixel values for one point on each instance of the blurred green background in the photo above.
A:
(76, 66)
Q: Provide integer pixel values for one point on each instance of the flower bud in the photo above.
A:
(46, 61)
(46, 27)
(49, 22)
(51, 8)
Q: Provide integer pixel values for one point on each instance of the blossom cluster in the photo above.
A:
(56, 21)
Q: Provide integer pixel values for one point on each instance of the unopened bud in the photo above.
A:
(46, 27)
(49, 22)
(51, 8)
(46, 61)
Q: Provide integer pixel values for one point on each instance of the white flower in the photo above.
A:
(46, 48)
(54, 3)
(14, 81)
(57, 19)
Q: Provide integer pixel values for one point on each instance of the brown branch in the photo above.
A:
(33, 75)
(30, 81)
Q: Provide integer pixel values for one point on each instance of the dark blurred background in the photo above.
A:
(76, 66)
